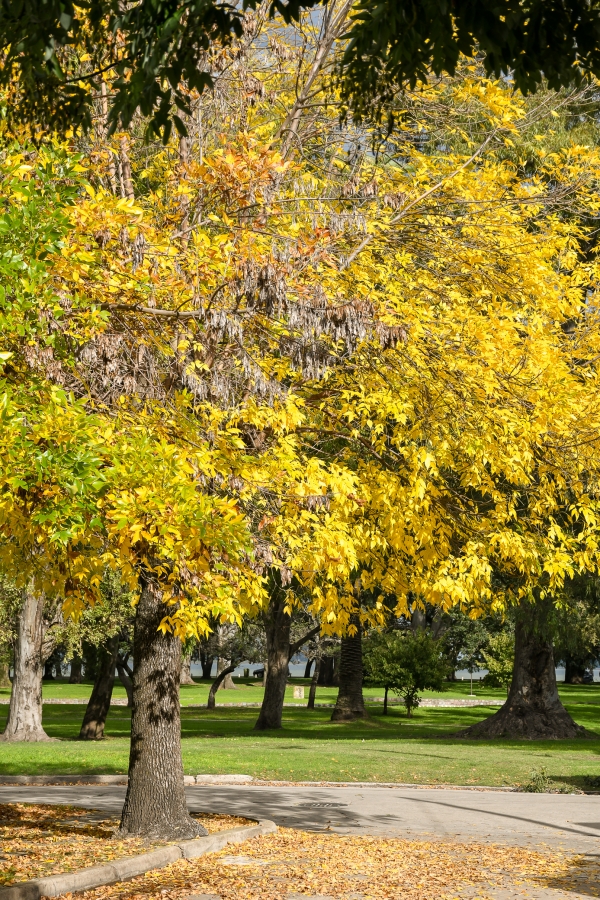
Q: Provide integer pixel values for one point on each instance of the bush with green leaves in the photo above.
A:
(499, 658)
(405, 663)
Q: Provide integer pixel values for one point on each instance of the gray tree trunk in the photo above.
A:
(227, 684)
(211, 703)
(186, 670)
(533, 709)
(25, 711)
(350, 704)
(94, 720)
(155, 804)
(125, 679)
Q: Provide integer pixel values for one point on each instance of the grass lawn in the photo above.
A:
(311, 748)
(251, 691)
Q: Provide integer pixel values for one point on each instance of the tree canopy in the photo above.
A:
(57, 53)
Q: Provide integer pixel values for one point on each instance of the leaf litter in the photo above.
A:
(300, 865)
(38, 840)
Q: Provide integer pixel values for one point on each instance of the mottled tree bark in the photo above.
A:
(25, 711)
(155, 804)
(350, 704)
(533, 709)
(186, 670)
(94, 720)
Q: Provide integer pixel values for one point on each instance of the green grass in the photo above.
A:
(311, 748)
(250, 691)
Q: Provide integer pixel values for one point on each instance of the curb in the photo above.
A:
(129, 867)
(245, 780)
(118, 779)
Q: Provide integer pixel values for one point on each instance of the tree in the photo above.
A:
(34, 643)
(94, 720)
(56, 57)
(499, 659)
(576, 631)
(533, 709)
(406, 663)
(463, 639)
(281, 647)
(246, 364)
(350, 703)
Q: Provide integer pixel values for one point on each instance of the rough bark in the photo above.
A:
(350, 703)
(533, 710)
(76, 676)
(94, 720)
(313, 685)
(186, 671)
(25, 710)
(155, 804)
(227, 683)
(308, 667)
(125, 674)
(223, 674)
(279, 623)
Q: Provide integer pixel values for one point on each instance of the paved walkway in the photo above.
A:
(571, 821)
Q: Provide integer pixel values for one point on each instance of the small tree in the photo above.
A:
(499, 659)
(405, 663)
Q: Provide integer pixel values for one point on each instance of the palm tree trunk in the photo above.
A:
(350, 703)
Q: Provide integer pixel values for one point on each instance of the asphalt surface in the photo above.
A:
(571, 821)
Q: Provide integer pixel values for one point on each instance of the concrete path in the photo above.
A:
(571, 821)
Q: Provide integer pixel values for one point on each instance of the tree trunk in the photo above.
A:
(206, 661)
(92, 728)
(25, 711)
(350, 704)
(574, 671)
(533, 710)
(48, 673)
(385, 701)
(155, 803)
(76, 675)
(223, 674)
(313, 685)
(308, 667)
(278, 649)
(326, 671)
(227, 683)
(186, 671)
(125, 679)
